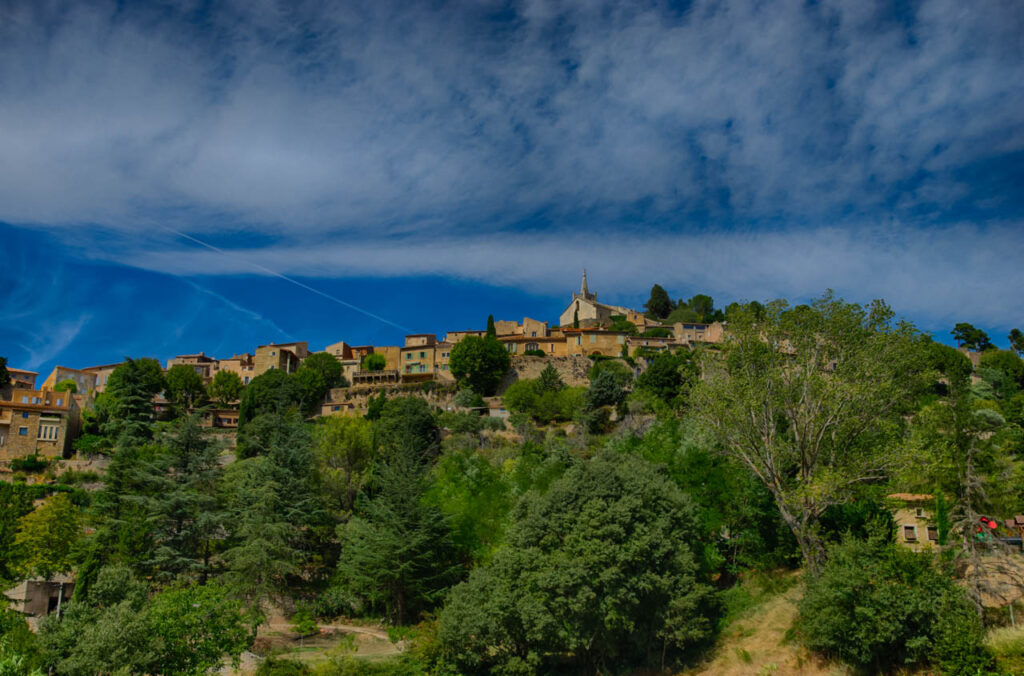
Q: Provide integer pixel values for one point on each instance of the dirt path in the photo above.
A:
(345, 628)
(755, 644)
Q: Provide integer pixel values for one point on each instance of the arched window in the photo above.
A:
(532, 346)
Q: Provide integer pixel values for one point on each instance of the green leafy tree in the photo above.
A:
(66, 385)
(329, 368)
(398, 555)
(185, 387)
(479, 363)
(311, 390)
(605, 390)
(670, 376)
(703, 305)
(271, 392)
(880, 607)
(619, 323)
(226, 388)
(131, 388)
(20, 654)
(812, 401)
(181, 630)
(15, 502)
(492, 332)
(1016, 339)
(374, 362)
(549, 380)
(182, 503)
(683, 313)
(47, 537)
(407, 425)
(467, 398)
(375, 406)
(602, 572)
(276, 512)
(966, 335)
(659, 305)
(344, 455)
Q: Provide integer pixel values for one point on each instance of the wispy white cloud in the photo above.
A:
(380, 116)
(54, 339)
(961, 271)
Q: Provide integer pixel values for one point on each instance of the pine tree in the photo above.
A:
(492, 332)
(183, 506)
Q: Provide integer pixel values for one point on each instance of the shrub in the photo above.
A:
(878, 606)
(493, 424)
(92, 444)
(535, 353)
(467, 398)
(30, 463)
(602, 571)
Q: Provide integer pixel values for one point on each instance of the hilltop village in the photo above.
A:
(622, 491)
(45, 417)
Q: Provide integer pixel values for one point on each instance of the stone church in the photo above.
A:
(590, 313)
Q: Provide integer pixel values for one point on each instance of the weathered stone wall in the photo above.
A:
(572, 369)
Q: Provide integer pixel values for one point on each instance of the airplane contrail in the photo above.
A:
(286, 278)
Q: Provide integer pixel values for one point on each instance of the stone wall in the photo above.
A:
(572, 369)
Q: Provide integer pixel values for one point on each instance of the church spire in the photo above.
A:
(584, 291)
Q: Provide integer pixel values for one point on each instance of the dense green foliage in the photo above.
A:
(327, 367)
(479, 363)
(374, 362)
(603, 570)
(225, 388)
(606, 529)
(881, 606)
(659, 305)
(185, 387)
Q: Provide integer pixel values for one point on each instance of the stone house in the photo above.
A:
(913, 514)
(102, 374)
(37, 598)
(286, 357)
(85, 381)
(39, 422)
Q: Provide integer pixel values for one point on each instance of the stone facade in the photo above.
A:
(913, 515)
(37, 422)
(285, 357)
(85, 381)
(573, 370)
(102, 374)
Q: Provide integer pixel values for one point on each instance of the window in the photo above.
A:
(246, 379)
(24, 414)
(532, 346)
(273, 353)
(533, 334)
(933, 534)
(335, 408)
(423, 355)
(60, 401)
(593, 338)
(22, 431)
(919, 513)
(24, 400)
(48, 432)
(408, 355)
(910, 533)
(423, 368)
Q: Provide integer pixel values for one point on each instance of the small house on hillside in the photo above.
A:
(37, 598)
(914, 515)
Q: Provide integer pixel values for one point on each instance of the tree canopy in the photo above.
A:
(659, 305)
(479, 363)
(225, 388)
(327, 366)
(966, 335)
(810, 400)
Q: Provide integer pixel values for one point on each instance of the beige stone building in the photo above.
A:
(424, 356)
(913, 514)
(85, 381)
(242, 365)
(690, 332)
(590, 313)
(37, 598)
(102, 374)
(595, 341)
(22, 379)
(39, 422)
(206, 367)
(553, 345)
(285, 357)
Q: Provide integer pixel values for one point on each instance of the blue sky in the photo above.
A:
(162, 163)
